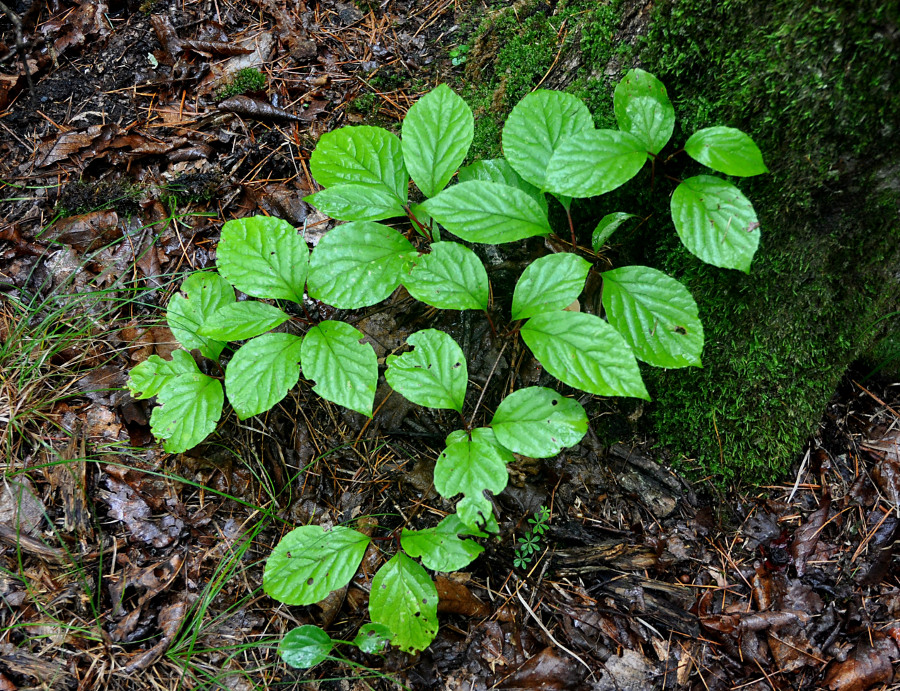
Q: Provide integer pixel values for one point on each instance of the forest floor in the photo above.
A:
(123, 567)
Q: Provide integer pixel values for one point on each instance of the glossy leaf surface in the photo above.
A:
(433, 374)
(305, 646)
(594, 162)
(264, 257)
(450, 277)
(404, 598)
(727, 150)
(716, 222)
(189, 407)
(655, 314)
(538, 422)
(261, 373)
(584, 351)
(202, 293)
(308, 563)
(643, 108)
(441, 548)
(241, 320)
(549, 284)
(345, 370)
(357, 202)
(436, 135)
(358, 264)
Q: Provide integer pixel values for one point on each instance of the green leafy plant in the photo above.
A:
(459, 55)
(530, 543)
(551, 146)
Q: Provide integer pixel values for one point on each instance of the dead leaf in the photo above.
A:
(256, 110)
(546, 670)
(90, 142)
(866, 666)
(456, 598)
(20, 507)
(807, 535)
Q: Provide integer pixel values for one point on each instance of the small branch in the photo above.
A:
(485, 387)
(20, 45)
(572, 230)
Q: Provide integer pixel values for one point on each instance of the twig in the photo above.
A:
(486, 382)
(20, 45)
(550, 635)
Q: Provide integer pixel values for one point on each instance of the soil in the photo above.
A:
(125, 567)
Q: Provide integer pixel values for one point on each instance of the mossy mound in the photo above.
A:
(817, 89)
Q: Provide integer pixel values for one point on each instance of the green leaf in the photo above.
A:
(437, 132)
(373, 638)
(240, 320)
(358, 264)
(471, 465)
(433, 375)
(204, 293)
(441, 548)
(488, 212)
(357, 202)
(148, 378)
(548, 284)
(584, 351)
(535, 128)
(190, 406)
(477, 512)
(305, 646)
(727, 150)
(716, 222)
(498, 170)
(655, 314)
(607, 226)
(308, 563)
(261, 373)
(366, 155)
(594, 162)
(451, 278)
(263, 257)
(404, 598)
(539, 423)
(345, 369)
(643, 108)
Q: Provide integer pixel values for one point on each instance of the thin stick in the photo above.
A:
(486, 382)
(550, 635)
(20, 45)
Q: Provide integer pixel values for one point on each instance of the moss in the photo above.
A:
(514, 50)
(85, 197)
(246, 79)
(817, 90)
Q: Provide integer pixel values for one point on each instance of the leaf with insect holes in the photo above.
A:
(148, 378)
(362, 155)
(584, 351)
(201, 295)
(433, 375)
(404, 598)
(549, 284)
(594, 162)
(373, 638)
(309, 562)
(451, 277)
(264, 257)
(189, 407)
(305, 646)
(358, 264)
(536, 127)
(436, 134)
(345, 370)
(727, 150)
(241, 320)
(470, 465)
(606, 227)
(488, 212)
(356, 202)
(643, 108)
(261, 373)
(716, 222)
(441, 548)
(655, 314)
(539, 423)
(498, 170)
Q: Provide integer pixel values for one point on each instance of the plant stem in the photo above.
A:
(572, 230)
